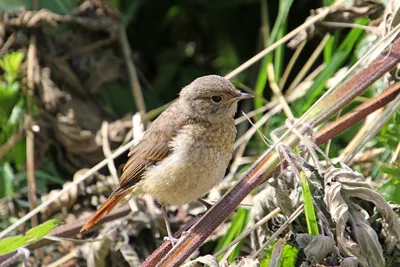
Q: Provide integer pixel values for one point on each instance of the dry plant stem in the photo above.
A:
(30, 136)
(269, 161)
(14, 139)
(291, 97)
(277, 91)
(245, 137)
(61, 261)
(8, 44)
(238, 153)
(358, 114)
(291, 63)
(286, 38)
(309, 63)
(293, 217)
(107, 151)
(346, 25)
(368, 122)
(375, 127)
(395, 154)
(133, 78)
(249, 230)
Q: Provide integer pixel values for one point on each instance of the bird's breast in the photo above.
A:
(199, 158)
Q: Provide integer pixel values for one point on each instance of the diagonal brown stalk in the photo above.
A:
(268, 162)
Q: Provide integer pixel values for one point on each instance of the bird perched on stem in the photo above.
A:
(186, 150)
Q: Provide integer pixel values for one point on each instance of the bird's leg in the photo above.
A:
(170, 235)
(205, 203)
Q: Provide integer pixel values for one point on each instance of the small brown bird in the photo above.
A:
(186, 150)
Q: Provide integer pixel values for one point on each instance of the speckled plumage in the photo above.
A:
(186, 150)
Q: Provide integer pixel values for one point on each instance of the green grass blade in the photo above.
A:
(311, 219)
(239, 222)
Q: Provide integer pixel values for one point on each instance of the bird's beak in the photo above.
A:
(242, 96)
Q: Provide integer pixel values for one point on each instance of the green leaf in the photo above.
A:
(309, 210)
(390, 190)
(264, 262)
(10, 244)
(38, 232)
(392, 171)
(288, 256)
(11, 64)
(6, 180)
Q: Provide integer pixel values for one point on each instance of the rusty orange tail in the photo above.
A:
(104, 210)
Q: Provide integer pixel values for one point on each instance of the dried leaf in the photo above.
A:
(244, 262)
(316, 248)
(205, 261)
(130, 255)
(339, 211)
(367, 240)
(349, 262)
(96, 253)
(263, 204)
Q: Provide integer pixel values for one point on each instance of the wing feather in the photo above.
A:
(154, 147)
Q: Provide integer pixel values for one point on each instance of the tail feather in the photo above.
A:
(110, 203)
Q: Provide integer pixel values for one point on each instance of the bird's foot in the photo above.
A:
(174, 240)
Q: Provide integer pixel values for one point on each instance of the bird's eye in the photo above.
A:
(216, 98)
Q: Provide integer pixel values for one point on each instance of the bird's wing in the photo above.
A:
(153, 147)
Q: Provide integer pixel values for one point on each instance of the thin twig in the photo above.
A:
(375, 127)
(293, 217)
(291, 63)
(286, 38)
(133, 78)
(309, 63)
(8, 43)
(61, 261)
(335, 24)
(30, 136)
(277, 91)
(14, 139)
(107, 151)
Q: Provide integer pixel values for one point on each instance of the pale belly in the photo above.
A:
(186, 175)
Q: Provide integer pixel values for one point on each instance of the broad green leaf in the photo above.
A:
(392, 171)
(288, 256)
(10, 244)
(11, 64)
(390, 190)
(36, 233)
